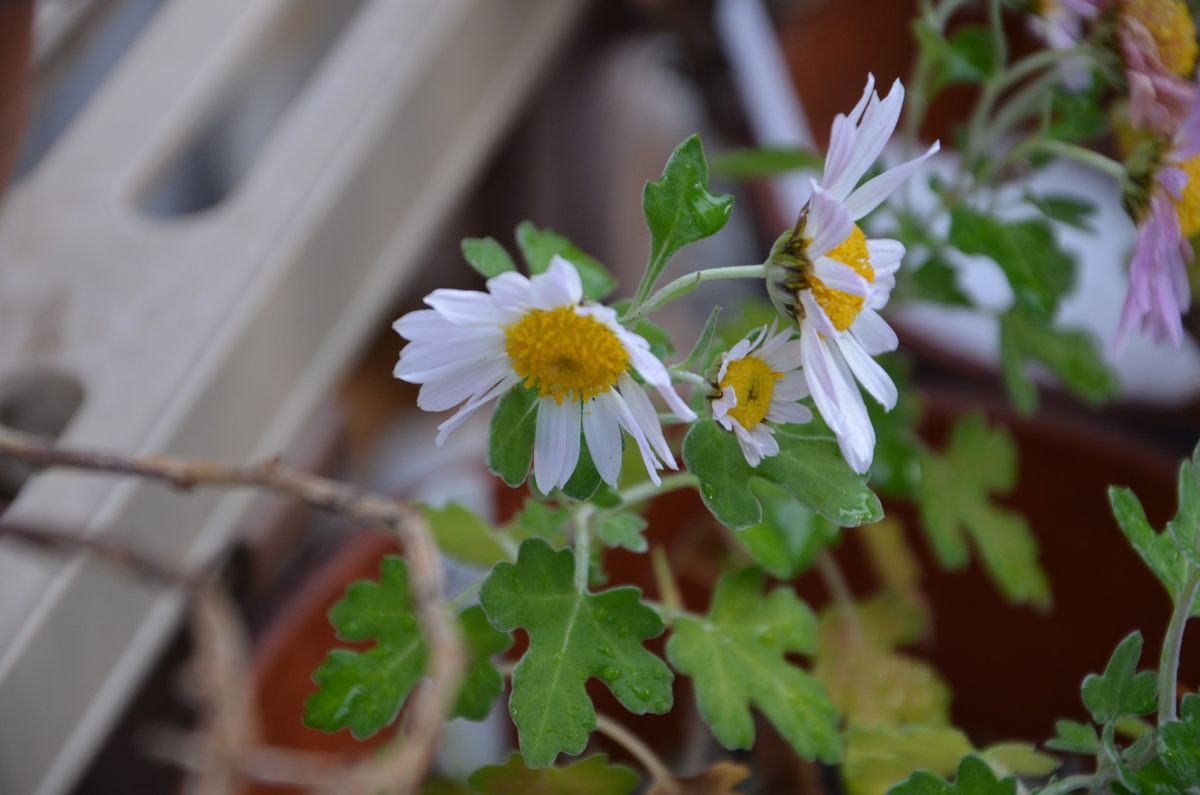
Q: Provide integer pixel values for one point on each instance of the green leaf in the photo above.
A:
(623, 530)
(539, 520)
(968, 56)
(462, 535)
(482, 682)
(871, 684)
(538, 247)
(573, 637)
(679, 209)
(1158, 551)
(1071, 355)
(363, 691)
(1078, 115)
(1038, 270)
(790, 536)
(937, 282)
(487, 256)
(1120, 691)
(974, 777)
(955, 496)
(585, 480)
(809, 466)
(590, 776)
(511, 435)
(878, 757)
(737, 658)
(1064, 208)
(1178, 742)
(1184, 528)
(765, 161)
(1021, 759)
(1074, 738)
(700, 350)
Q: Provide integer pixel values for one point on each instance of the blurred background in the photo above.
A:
(215, 209)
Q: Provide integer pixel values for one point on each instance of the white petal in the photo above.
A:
(468, 409)
(857, 443)
(630, 424)
(885, 255)
(466, 307)
(873, 333)
(723, 405)
(878, 122)
(655, 373)
(426, 324)
(828, 390)
(447, 393)
(422, 362)
(876, 191)
(556, 434)
(647, 418)
(839, 276)
(788, 411)
(843, 136)
(786, 357)
(792, 386)
(814, 315)
(602, 430)
(751, 448)
(558, 286)
(829, 222)
(512, 291)
(868, 372)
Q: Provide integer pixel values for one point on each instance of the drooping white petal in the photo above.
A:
(828, 224)
(868, 372)
(447, 393)
(558, 286)
(815, 315)
(631, 426)
(647, 418)
(876, 191)
(838, 399)
(839, 276)
(468, 409)
(858, 442)
(655, 374)
(602, 429)
(873, 333)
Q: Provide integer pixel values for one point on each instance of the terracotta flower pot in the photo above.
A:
(16, 47)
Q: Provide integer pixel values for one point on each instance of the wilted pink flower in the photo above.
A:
(1060, 24)
(1158, 44)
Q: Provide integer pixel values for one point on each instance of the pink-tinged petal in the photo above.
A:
(868, 372)
(814, 315)
(446, 393)
(873, 333)
(877, 190)
(838, 400)
(647, 418)
(829, 222)
(843, 135)
(885, 254)
(838, 276)
(602, 430)
(631, 426)
(878, 123)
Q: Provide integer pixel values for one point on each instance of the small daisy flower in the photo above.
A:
(1157, 39)
(760, 382)
(1167, 220)
(833, 280)
(472, 347)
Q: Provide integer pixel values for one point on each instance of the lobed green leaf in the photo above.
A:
(538, 247)
(1120, 690)
(487, 256)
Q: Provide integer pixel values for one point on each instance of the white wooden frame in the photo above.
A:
(217, 334)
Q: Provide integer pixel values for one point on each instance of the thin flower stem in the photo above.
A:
(469, 590)
(647, 489)
(582, 515)
(1168, 672)
(688, 377)
(843, 598)
(686, 284)
(1102, 163)
(1069, 784)
(643, 753)
(996, 22)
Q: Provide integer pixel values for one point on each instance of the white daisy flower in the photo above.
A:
(472, 347)
(833, 280)
(760, 382)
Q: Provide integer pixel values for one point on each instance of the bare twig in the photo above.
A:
(643, 753)
(401, 766)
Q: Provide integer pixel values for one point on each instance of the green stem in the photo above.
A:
(1101, 163)
(1168, 672)
(647, 490)
(640, 307)
(582, 515)
(688, 377)
(1069, 784)
(996, 23)
(472, 588)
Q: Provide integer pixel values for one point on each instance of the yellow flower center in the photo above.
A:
(843, 308)
(753, 382)
(565, 355)
(1188, 204)
(1171, 26)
